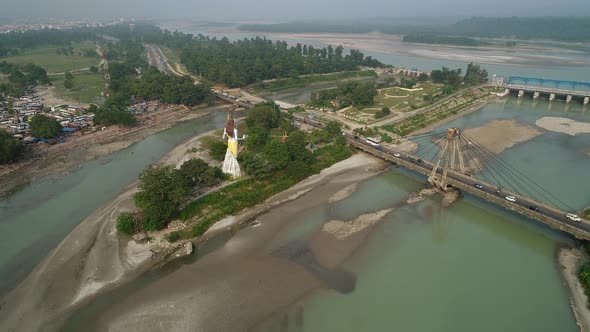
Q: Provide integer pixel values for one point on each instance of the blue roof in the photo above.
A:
(68, 129)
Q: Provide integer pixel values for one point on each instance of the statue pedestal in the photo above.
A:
(230, 165)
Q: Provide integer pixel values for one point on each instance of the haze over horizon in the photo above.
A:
(281, 10)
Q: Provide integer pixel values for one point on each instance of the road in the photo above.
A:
(156, 58)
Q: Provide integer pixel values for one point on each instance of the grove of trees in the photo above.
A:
(20, 77)
(346, 94)
(163, 189)
(10, 148)
(44, 127)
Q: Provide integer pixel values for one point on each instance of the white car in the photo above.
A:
(397, 155)
(511, 199)
(573, 217)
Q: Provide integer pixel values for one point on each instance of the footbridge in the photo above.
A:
(453, 160)
(548, 87)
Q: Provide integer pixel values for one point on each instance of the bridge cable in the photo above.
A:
(508, 178)
(543, 192)
(518, 176)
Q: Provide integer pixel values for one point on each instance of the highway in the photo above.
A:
(157, 59)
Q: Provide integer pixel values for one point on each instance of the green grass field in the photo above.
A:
(302, 81)
(47, 58)
(87, 87)
(397, 100)
(402, 100)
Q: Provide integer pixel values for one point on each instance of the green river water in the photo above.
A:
(470, 267)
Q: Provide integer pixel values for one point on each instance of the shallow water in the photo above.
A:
(36, 218)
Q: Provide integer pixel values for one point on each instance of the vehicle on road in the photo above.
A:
(478, 185)
(573, 217)
(534, 208)
(511, 199)
(420, 161)
(372, 141)
(397, 155)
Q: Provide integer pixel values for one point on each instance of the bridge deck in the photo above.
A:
(546, 214)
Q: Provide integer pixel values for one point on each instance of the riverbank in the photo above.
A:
(258, 277)
(60, 158)
(522, 55)
(454, 117)
(93, 259)
(570, 260)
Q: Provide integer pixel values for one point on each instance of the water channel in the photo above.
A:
(471, 267)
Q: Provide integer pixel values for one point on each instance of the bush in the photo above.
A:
(126, 223)
(44, 127)
(383, 112)
(217, 150)
(584, 276)
(173, 236)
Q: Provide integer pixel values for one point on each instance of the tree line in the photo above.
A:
(248, 61)
(35, 38)
(20, 77)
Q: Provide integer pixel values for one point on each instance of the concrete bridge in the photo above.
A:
(547, 87)
(446, 177)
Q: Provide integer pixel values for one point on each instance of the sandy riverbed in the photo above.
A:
(91, 259)
(215, 294)
(570, 261)
(564, 125)
(522, 55)
(499, 135)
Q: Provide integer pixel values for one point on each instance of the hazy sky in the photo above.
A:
(289, 9)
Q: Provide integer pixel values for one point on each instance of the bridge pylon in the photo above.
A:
(448, 155)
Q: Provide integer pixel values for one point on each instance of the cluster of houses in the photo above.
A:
(16, 115)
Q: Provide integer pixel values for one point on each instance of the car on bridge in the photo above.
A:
(479, 186)
(573, 217)
(511, 199)
(534, 208)
(397, 155)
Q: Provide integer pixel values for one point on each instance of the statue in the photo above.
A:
(230, 164)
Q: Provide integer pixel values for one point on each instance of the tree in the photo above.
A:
(126, 223)
(265, 116)
(296, 147)
(277, 154)
(44, 127)
(333, 128)
(255, 165)
(382, 113)
(257, 137)
(94, 69)
(217, 150)
(69, 80)
(10, 148)
(160, 190)
(423, 77)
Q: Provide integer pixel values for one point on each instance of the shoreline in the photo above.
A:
(569, 261)
(530, 56)
(74, 272)
(466, 111)
(63, 157)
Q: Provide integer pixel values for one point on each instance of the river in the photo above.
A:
(36, 218)
(473, 266)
